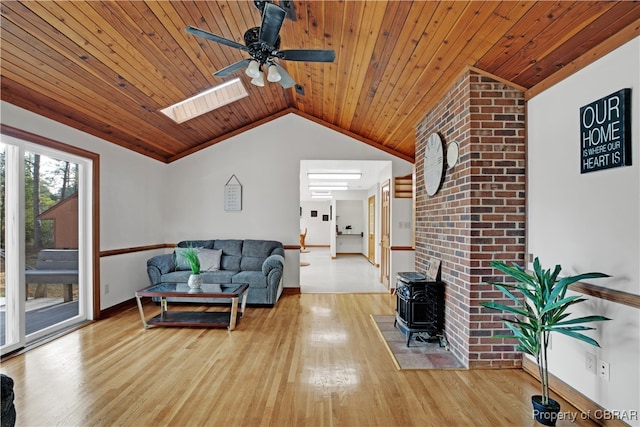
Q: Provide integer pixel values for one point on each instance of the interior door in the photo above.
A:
(385, 227)
(372, 230)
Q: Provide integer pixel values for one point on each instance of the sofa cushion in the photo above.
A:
(209, 259)
(176, 276)
(220, 276)
(208, 244)
(259, 248)
(254, 252)
(180, 260)
(255, 279)
(250, 263)
(231, 253)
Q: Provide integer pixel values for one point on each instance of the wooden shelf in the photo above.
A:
(403, 187)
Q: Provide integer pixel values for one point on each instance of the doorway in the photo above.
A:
(385, 229)
(335, 209)
(371, 230)
(45, 242)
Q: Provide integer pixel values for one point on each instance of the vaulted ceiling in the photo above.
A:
(108, 67)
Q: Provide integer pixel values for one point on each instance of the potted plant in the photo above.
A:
(191, 255)
(542, 309)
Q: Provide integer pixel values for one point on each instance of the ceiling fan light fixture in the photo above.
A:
(272, 74)
(259, 80)
(262, 43)
(253, 70)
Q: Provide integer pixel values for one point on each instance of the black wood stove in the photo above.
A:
(419, 305)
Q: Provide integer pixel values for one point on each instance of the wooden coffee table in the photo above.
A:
(205, 319)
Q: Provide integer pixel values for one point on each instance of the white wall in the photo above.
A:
(352, 208)
(589, 222)
(375, 193)
(401, 235)
(350, 213)
(402, 232)
(133, 201)
(318, 231)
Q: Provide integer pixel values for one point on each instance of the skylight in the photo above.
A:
(206, 101)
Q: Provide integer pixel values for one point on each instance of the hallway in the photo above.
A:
(345, 274)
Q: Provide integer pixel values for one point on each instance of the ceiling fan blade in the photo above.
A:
(272, 18)
(285, 81)
(308, 55)
(210, 36)
(230, 69)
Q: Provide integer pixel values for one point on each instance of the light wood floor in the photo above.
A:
(314, 360)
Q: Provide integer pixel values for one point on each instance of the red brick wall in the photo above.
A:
(478, 214)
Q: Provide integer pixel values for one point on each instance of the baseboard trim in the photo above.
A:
(585, 405)
(290, 291)
(349, 254)
(118, 308)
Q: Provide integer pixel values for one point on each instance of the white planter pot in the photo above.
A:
(195, 281)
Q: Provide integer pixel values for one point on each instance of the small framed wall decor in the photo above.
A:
(314, 214)
(605, 132)
(452, 154)
(233, 195)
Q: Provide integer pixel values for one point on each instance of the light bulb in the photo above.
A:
(253, 70)
(258, 81)
(272, 74)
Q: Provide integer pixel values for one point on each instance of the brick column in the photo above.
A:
(478, 214)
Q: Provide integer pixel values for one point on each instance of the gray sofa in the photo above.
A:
(259, 263)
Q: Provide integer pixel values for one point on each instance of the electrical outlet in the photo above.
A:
(603, 369)
(590, 362)
(106, 288)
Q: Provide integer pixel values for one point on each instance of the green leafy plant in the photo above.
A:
(191, 255)
(541, 310)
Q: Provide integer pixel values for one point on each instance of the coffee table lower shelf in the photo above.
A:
(203, 319)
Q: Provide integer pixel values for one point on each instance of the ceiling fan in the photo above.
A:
(263, 44)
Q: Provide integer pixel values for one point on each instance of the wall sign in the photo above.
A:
(233, 195)
(605, 132)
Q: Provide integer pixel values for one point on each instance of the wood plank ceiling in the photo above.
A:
(108, 67)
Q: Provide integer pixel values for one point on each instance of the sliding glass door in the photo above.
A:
(44, 245)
